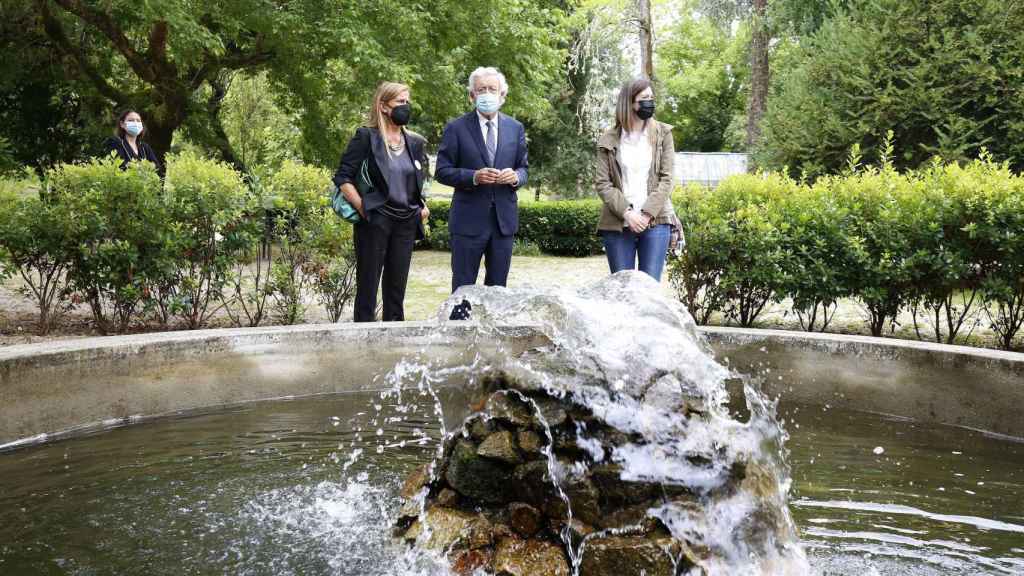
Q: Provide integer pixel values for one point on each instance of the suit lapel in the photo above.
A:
(415, 152)
(380, 155)
(506, 140)
(473, 125)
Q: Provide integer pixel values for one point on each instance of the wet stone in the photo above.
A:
(416, 481)
(525, 519)
(480, 428)
(627, 556)
(583, 497)
(469, 562)
(476, 477)
(552, 411)
(447, 498)
(504, 407)
(529, 442)
(451, 529)
(516, 557)
(615, 491)
(532, 483)
(500, 446)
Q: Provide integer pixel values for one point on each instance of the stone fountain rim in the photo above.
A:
(96, 343)
(51, 387)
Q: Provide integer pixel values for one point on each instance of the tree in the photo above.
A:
(174, 60)
(44, 118)
(562, 143)
(704, 72)
(944, 75)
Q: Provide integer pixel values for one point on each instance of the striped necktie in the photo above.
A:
(492, 144)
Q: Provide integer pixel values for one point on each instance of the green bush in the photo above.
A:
(123, 233)
(37, 244)
(300, 214)
(559, 228)
(945, 243)
(735, 251)
(207, 203)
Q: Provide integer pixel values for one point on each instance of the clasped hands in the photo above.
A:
(637, 221)
(495, 176)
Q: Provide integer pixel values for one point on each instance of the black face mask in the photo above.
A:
(401, 114)
(646, 110)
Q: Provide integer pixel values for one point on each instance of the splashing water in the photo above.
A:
(634, 359)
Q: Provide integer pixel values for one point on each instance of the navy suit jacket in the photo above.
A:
(461, 154)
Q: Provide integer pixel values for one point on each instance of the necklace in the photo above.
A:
(395, 150)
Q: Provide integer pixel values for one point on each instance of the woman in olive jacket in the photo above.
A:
(634, 180)
(394, 210)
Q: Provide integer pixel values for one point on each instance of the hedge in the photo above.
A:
(945, 243)
(559, 228)
(134, 247)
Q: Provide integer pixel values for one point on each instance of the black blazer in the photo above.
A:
(368, 144)
(126, 154)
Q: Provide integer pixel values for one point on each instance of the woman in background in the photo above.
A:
(634, 180)
(393, 211)
(127, 142)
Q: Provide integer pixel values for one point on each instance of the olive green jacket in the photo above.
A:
(608, 179)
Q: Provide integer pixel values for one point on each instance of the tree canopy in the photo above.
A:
(946, 76)
(174, 60)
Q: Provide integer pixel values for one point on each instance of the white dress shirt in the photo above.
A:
(635, 157)
(483, 132)
(483, 127)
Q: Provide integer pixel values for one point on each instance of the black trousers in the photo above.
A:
(383, 246)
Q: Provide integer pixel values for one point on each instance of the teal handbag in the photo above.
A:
(341, 205)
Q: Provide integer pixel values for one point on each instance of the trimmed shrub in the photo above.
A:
(207, 203)
(300, 208)
(121, 227)
(559, 228)
(945, 243)
(37, 245)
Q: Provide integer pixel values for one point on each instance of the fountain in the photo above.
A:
(609, 449)
(559, 432)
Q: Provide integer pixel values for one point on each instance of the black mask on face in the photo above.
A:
(646, 109)
(401, 114)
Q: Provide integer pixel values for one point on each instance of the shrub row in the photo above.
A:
(944, 243)
(133, 247)
(559, 228)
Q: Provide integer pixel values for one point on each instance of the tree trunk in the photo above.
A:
(646, 39)
(759, 74)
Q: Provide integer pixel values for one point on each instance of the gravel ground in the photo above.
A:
(429, 285)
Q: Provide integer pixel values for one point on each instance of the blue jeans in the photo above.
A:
(651, 245)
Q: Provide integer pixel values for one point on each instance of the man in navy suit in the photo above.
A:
(483, 157)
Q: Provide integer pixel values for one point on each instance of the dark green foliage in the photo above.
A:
(944, 75)
(945, 243)
(37, 245)
(559, 228)
(120, 225)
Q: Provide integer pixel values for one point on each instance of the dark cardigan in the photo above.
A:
(126, 154)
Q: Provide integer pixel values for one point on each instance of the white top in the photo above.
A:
(635, 157)
(483, 127)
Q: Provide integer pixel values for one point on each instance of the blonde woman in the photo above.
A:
(393, 210)
(634, 180)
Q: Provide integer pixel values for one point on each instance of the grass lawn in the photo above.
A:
(430, 279)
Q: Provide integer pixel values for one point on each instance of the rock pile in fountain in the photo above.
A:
(510, 496)
(608, 453)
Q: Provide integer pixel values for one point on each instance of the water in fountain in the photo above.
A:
(311, 486)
